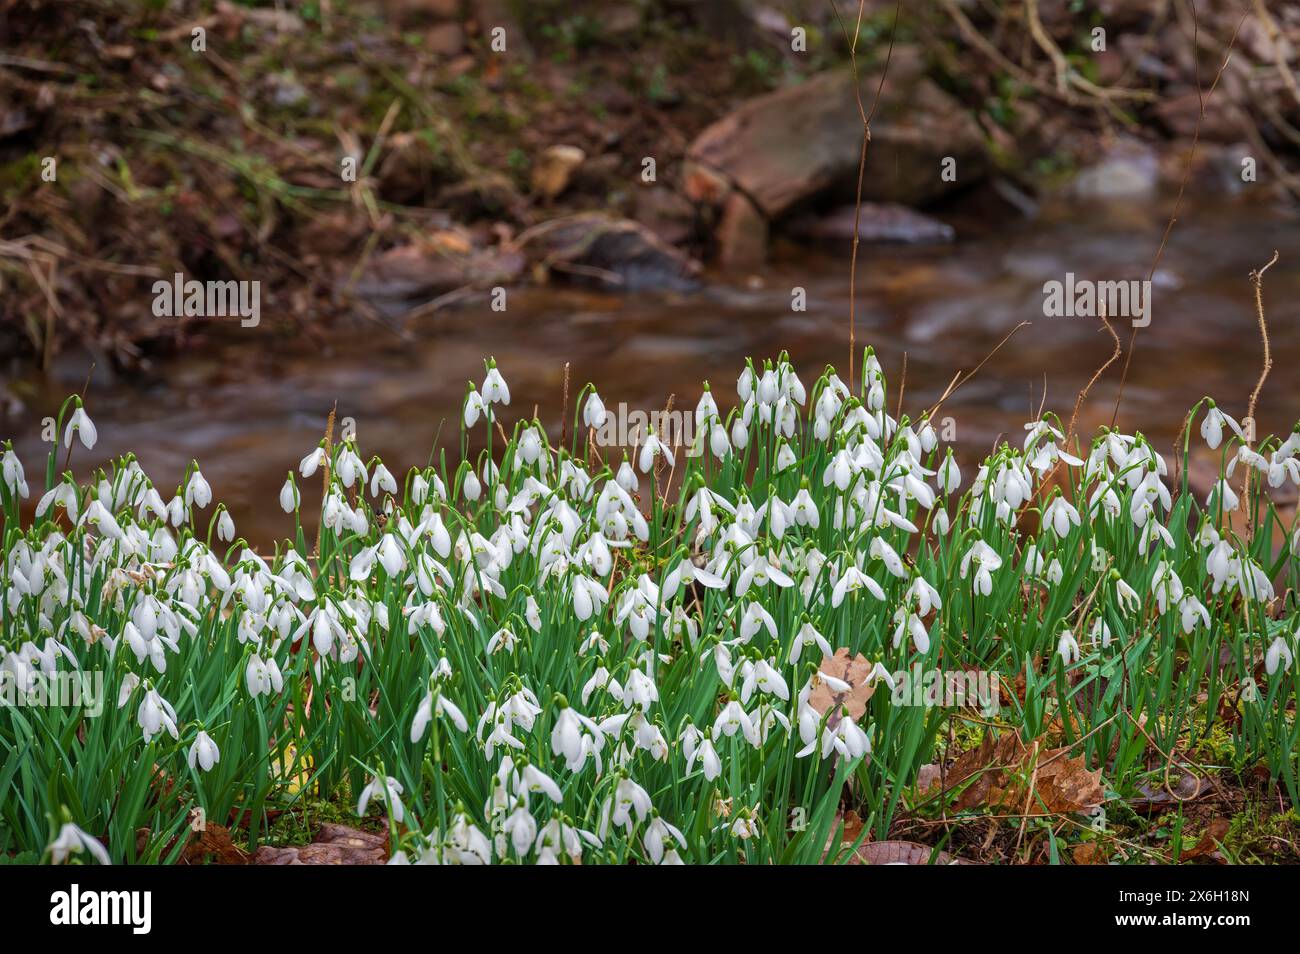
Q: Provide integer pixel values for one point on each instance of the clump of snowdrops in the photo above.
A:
(536, 654)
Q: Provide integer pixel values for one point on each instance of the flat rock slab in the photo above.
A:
(334, 845)
(880, 222)
(608, 252)
(903, 853)
(414, 273)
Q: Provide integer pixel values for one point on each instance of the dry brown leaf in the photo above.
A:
(1066, 784)
(1008, 774)
(851, 832)
(1208, 846)
(213, 845)
(1089, 853)
(856, 672)
(852, 827)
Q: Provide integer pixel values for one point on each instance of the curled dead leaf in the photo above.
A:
(1005, 773)
(212, 845)
(1089, 853)
(1211, 840)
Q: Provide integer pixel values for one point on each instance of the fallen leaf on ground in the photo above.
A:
(1208, 846)
(856, 672)
(1090, 853)
(1005, 773)
(213, 845)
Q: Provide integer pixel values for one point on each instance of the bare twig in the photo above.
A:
(1182, 186)
(1257, 279)
(862, 154)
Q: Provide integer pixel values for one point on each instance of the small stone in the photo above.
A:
(554, 169)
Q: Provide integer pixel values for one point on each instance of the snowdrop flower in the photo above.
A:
(659, 836)
(925, 596)
(640, 690)
(1212, 426)
(494, 386)
(851, 581)
(1166, 586)
(652, 448)
(1059, 515)
(626, 808)
(1067, 648)
(12, 469)
(575, 737)
(909, 623)
(760, 573)
(806, 638)
(745, 826)
(130, 682)
(204, 752)
(1127, 596)
(532, 779)
(1190, 610)
(733, 719)
(98, 516)
(81, 425)
(949, 475)
(72, 840)
(289, 497)
(307, 466)
(880, 550)
(381, 479)
(720, 445)
(471, 487)
(804, 509)
(558, 835)
(740, 429)
(763, 676)
(1226, 495)
(262, 677)
(985, 560)
(155, 714)
(64, 494)
(474, 407)
(1279, 654)
(503, 640)
(349, 467)
(848, 739)
(225, 526)
(593, 412)
(587, 596)
(754, 619)
(704, 753)
(389, 791)
(438, 705)
(197, 492)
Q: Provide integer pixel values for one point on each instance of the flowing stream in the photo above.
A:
(254, 401)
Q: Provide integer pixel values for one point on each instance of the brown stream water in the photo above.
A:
(249, 405)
